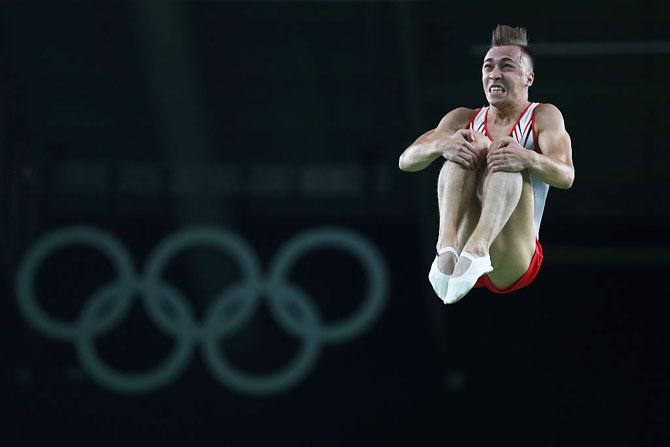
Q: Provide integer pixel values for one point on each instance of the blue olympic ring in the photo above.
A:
(109, 304)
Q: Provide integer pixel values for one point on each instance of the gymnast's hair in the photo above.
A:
(508, 35)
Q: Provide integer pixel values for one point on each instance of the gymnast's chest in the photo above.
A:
(497, 132)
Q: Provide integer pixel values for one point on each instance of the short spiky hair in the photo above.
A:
(507, 35)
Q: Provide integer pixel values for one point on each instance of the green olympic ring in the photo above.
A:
(230, 310)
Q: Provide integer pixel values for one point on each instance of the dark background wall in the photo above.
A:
(133, 122)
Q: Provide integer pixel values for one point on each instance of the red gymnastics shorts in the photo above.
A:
(526, 278)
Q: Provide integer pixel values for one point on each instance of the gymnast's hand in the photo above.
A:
(481, 144)
(461, 148)
(507, 155)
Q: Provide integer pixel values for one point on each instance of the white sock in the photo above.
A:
(439, 280)
(459, 286)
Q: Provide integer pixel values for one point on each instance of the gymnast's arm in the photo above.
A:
(553, 165)
(431, 144)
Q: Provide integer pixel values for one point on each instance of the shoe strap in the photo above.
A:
(445, 249)
(467, 255)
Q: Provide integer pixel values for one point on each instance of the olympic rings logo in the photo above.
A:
(110, 303)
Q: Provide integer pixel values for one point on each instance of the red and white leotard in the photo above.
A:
(524, 133)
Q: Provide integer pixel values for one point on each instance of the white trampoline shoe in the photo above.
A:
(439, 280)
(460, 285)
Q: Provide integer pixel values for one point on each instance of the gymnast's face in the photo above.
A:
(506, 75)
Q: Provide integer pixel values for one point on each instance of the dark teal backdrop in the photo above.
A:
(266, 121)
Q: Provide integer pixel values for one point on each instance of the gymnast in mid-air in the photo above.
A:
(499, 163)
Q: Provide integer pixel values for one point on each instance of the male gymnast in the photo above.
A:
(491, 190)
